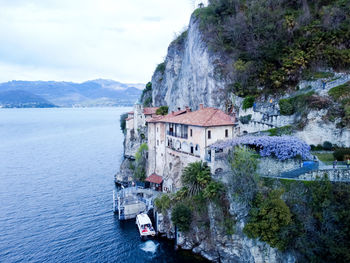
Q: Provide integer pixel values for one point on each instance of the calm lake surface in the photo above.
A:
(56, 183)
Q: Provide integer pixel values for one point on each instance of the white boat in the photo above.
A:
(144, 225)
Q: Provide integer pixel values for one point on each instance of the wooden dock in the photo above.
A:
(131, 201)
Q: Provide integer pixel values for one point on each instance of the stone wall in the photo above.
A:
(334, 175)
(274, 167)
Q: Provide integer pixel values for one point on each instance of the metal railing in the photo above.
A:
(174, 134)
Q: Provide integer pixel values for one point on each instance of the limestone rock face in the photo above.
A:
(189, 77)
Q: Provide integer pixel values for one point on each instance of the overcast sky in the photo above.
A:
(78, 40)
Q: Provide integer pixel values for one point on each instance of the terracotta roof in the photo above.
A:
(150, 110)
(153, 178)
(206, 117)
(130, 118)
(130, 112)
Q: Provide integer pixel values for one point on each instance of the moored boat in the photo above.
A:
(144, 225)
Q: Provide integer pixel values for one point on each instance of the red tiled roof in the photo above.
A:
(130, 112)
(206, 117)
(130, 118)
(153, 178)
(150, 110)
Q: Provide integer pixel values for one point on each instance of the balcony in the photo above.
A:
(180, 151)
(174, 134)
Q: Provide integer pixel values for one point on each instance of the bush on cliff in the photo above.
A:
(140, 163)
(123, 122)
(181, 216)
(196, 176)
(267, 217)
(162, 110)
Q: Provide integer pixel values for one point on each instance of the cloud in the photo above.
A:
(85, 39)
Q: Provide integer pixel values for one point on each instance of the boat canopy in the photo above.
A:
(143, 219)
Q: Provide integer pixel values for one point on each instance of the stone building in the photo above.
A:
(183, 137)
(136, 130)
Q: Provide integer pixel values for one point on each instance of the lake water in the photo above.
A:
(56, 183)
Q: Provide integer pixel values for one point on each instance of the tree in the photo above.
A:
(196, 176)
(181, 216)
(267, 218)
(140, 162)
(162, 110)
(123, 122)
(244, 181)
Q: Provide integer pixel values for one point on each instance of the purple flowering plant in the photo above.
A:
(282, 147)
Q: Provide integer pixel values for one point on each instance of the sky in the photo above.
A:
(79, 40)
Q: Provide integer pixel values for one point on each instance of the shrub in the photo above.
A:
(268, 216)
(327, 146)
(123, 118)
(341, 154)
(286, 107)
(161, 67)
(163, 202)
(162, 110)
(285, 130)
(147, 102)
(248, 102)
(140, 163)
(213, 190)
(245, 119)
(244, 180)
(181, 216)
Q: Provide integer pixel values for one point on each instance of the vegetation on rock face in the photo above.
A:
(267, 217)
(181, 216)
(146, 96)
(268, 43)
(161, 67)
(163, 110)
(279, 131)
(140, 163)
(163, 202)
(248, 102)
(341, 95)
(245, 119)
(123, 122)
(196, 176)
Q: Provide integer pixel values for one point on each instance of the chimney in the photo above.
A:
(188, 109)
(201, 106)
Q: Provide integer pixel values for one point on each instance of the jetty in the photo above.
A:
(131, 201)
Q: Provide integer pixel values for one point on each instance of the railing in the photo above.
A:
(307, 167)
(174, 134)
(192, 154)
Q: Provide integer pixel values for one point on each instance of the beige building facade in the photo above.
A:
(183, 137)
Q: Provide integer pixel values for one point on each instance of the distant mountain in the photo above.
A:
(98, 92)
(22, 99)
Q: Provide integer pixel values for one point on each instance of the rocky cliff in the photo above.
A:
(188, 76)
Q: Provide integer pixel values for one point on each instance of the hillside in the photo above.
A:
(290, 54)
(22, 99)
(91, 93)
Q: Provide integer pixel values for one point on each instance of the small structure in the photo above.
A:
(156, 182)
(131, 201)
(144, 225)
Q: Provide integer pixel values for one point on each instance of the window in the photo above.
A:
(209, 134)
(157, 129)
(191, 132)
(191, 149)
(157, 142)
(226, 133)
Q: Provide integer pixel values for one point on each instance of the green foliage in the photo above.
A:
(163, 110)
(327, 145)
(243, 183)
(312, 76)
(161, 67)
(179, 40)
(279, 131)
(268, 216)
(181, 216)
(245, 119)
(297, 104)
(214, 190)
(196, 176)
(163, 203)
(325, 157)
(341, 94)
(272, 43)
(341, 154)
(140, 163)
(146, 96)
(248, 102)
(123, 122)
(286, 107)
